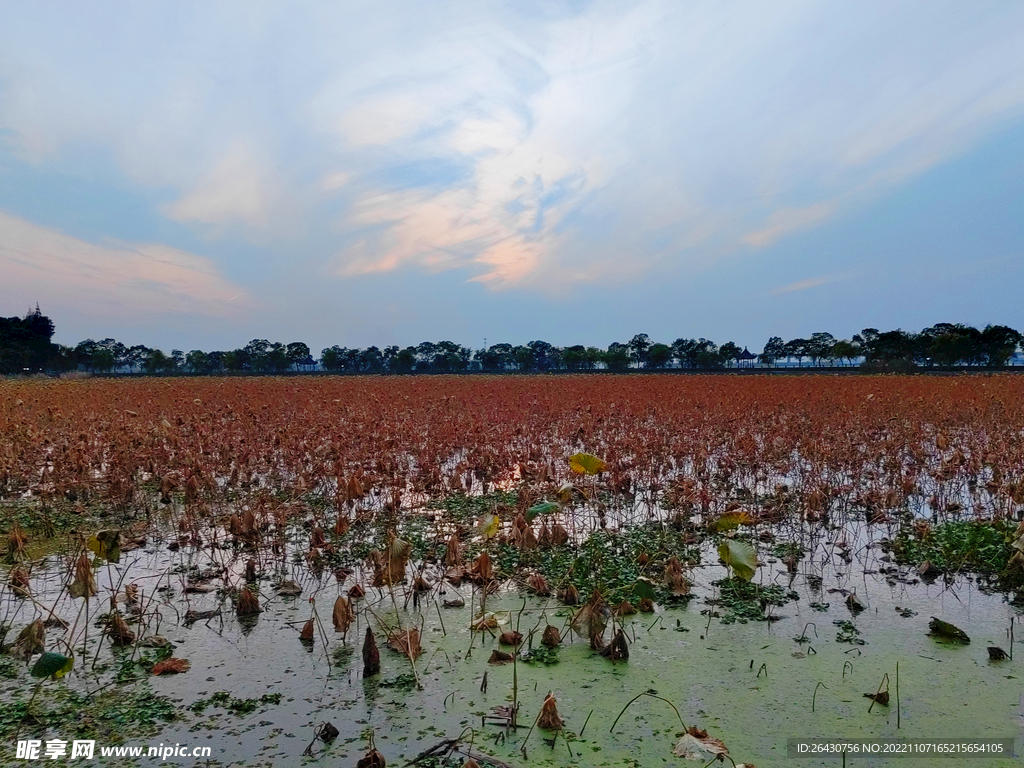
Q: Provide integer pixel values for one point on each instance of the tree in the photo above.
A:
(774, 349)
(156, 362)
(845, 350)
(796, 348)
(639, 345)
(298, 354)
(197, 361)
(819, 346)
(331, 358)
(617, 356)
(659, 355)
(729, 352)
(102, 360)
(998, 343)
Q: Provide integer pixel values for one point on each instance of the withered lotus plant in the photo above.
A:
(551, 637)
(30, 641)
(406, 642)
(119, 632)
(343, 615)
(20, 581)
(248, 603)
(453, 551)
(16, 540)
(538, 585)
(549, 719)
(84, 584)
(371, 656)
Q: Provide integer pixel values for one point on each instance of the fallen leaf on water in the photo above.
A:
(406, 642)
(171, 666)
(697, 745)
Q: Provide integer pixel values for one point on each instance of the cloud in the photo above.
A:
(235, 190)
(811, 282)
(110, 280)
(786, 220)
(591, 143)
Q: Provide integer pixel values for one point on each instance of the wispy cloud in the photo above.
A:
(591, 143)
(110, 279)
(811, 282)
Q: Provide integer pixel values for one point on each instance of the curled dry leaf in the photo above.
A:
(551, 636)
(171, 666)
(356, 592)
(248, 603)
(119, 632)
(289, 589)
(538, 585)
(510, 638)
(549, 719)
(571, 595)
(371, 656)
(372, 759)
(343, 614)
(20, 581)
(881, 697)
(485, 622)
(30, 640)
(84, 584)
(406, 642)
(697, 745)
(499, 657)
(625, 608)
(482, 570)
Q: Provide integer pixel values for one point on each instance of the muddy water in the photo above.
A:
(748, 684)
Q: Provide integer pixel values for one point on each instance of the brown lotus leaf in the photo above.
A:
(470, 763)
(317, 539)
(356, 592)
(537, 584)
(248, 603)
(882, 697)
(485, 622)
(551, 636)
(646, 605)
(306, 635)
(499, 657)
(421, 584)
(171, 666)
(406, 642)
(482, 569)
(343, 615)
(16, 540)
(453, 551)
(549, 719)
(618, 648)
(84, 583)
(341, 525)
(625, 608)
(119, 632)
(372, 759)
(371, 656)
(30, 641)
(559, 536)
(510, 638)
(20, 581)
(289, 589)
(544, 535)
(250, 569)
(571, 596)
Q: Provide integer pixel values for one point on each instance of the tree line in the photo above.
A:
(25, 346)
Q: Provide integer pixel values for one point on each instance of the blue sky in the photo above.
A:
(197, 175)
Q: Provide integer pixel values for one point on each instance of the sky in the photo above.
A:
(196, 175)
